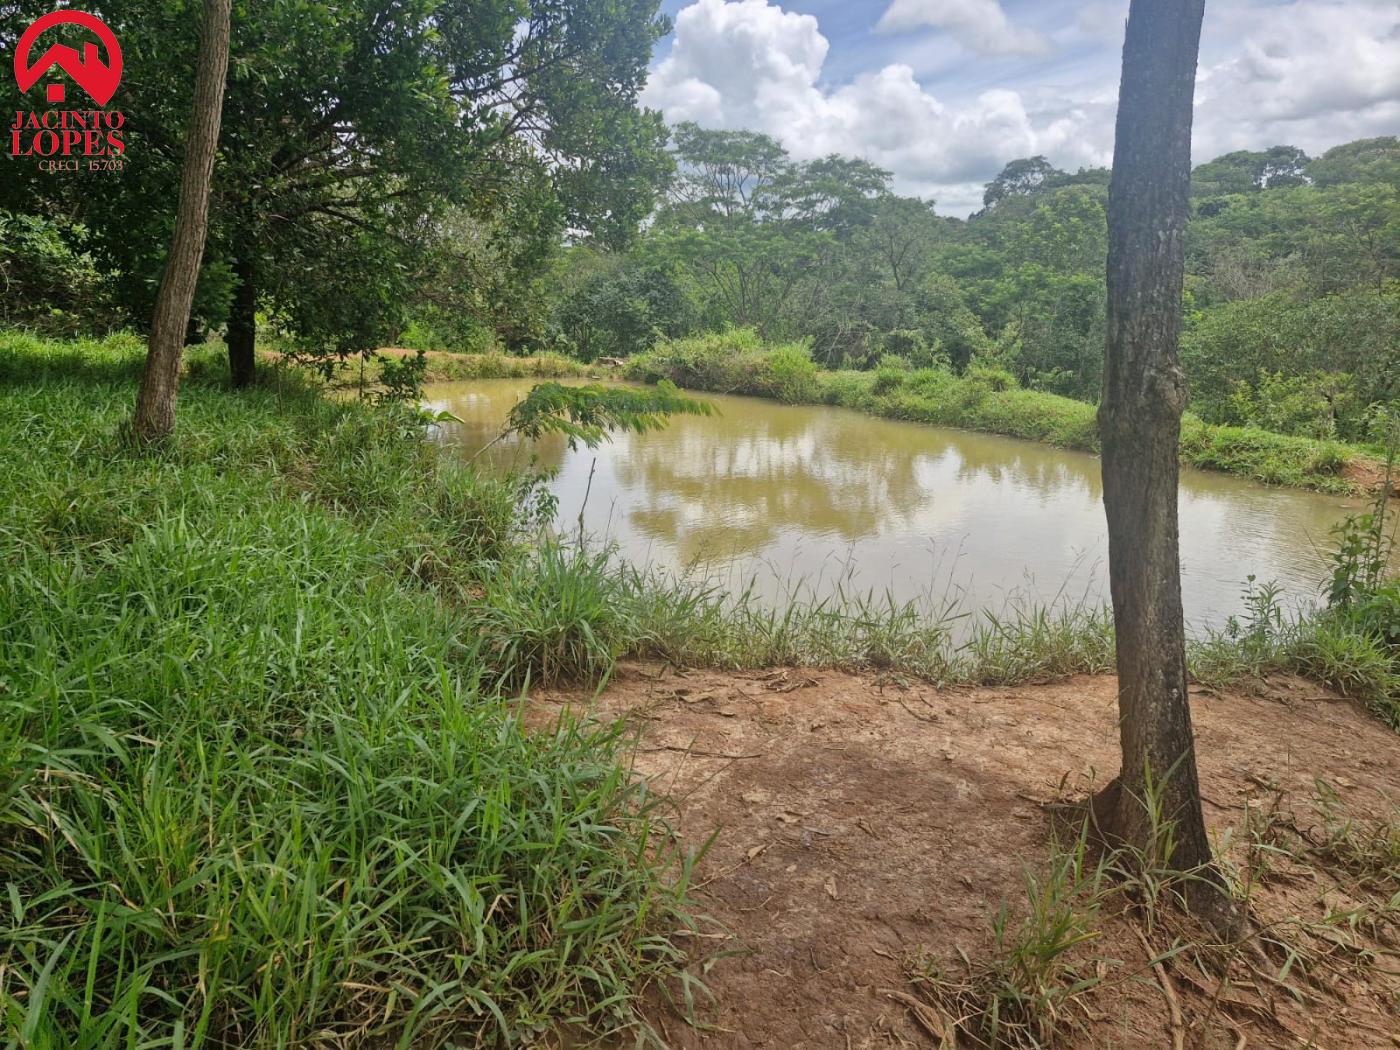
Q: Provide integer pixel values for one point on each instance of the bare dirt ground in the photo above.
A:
(865, 818)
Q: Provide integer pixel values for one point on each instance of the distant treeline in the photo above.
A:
(1292, 298)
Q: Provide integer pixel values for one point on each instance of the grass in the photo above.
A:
(1056, 956)
(1327, 646)
(983, 399)
(262, 779)
(700, 626)
(445, 367)
(258, 786)
(1023, 993)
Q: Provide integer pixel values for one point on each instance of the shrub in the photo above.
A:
(51, 284)
(732, 362)
(791, 374)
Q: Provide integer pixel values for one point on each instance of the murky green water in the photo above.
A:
(780, 497)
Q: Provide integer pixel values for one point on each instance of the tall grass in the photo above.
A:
(983, 399)
(1327, 645)
(256, 785)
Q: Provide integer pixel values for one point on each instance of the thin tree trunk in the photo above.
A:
(155, 403)
(242, 323)
(1140, 427)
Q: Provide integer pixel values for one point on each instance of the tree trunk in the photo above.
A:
(155, 403)
(242, 323)
(1140, 428)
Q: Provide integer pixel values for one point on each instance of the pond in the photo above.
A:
(811, 501)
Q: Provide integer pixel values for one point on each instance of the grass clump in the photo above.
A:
(443, 367)
(1369, 849)
(737, 361)
(259, 787)
(1022, 995)
(983, 398)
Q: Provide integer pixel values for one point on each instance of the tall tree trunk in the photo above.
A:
(1140, 429)
(155, 403)
(242, 322)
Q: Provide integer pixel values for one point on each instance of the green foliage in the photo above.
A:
(588, 414)
(985, 397)
(402, 378)
(1313, 367)
(1274, 459)
(609, 306)
(1247, 171)
(1364, 546)
(48, 281)
(791, 373)
(1362, 591)
(1365, 160)
(732, 362)
(358, 139)
(1352, 645)
(563, 615)
(259, 785)
(1291, 277)
(1019, 178)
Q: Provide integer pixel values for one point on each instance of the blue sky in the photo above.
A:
(943, 92)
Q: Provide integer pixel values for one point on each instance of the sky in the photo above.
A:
(944, 92)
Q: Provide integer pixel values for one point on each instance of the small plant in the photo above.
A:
(402, 378)
(588, 414)
(1359, 559)
(1020, 998)
(1262, 624)
(1365, 545)
(1367, 849)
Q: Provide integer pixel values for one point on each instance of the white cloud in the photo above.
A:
(1311, 73)
(982, 24)
(750, 64)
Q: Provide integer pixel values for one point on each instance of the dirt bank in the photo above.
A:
(864, 818)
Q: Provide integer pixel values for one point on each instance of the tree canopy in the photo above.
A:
(355, 137)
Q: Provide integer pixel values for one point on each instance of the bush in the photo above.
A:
(1276, 459)
(620, 310)
(50, 284)
(736, 361)
(790, 373)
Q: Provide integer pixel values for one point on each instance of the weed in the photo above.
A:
(1022, 995)
(1369, 849)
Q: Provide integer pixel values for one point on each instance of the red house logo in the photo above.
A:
(96, 77)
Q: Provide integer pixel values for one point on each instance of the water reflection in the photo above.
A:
(767, 495)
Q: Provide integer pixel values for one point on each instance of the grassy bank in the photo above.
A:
(986, 400)
(263, 781)
(442, 367)
(260, 786)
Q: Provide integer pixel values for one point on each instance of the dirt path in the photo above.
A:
(864, 818)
